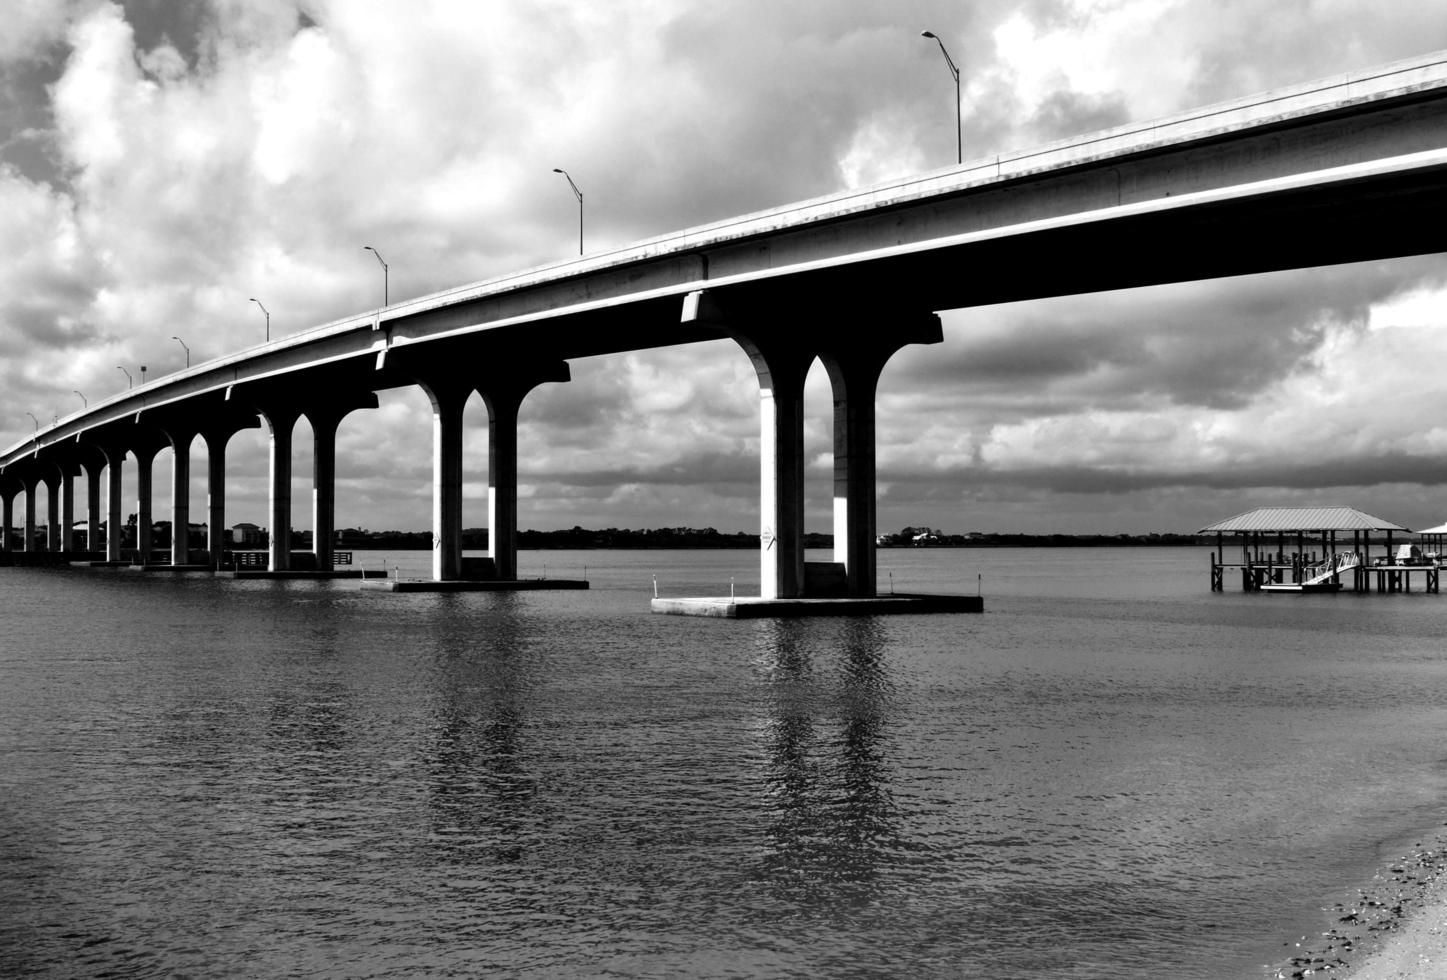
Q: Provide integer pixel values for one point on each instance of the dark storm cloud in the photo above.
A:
(726, 468)
(1346, 471)
(1214, 345)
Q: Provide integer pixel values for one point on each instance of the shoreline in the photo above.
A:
(1392, 928)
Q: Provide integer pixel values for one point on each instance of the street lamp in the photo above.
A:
(185, 348)
(959, 125)
(35, 420)
(385, 300)
(130, 382)
(268, 318)
(83, 400)
(143, 374)
(579, 195)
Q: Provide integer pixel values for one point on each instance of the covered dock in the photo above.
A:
(1297, 549)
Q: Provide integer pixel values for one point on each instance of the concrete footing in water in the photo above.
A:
(751, 607)
(468, 585)
(260, 573)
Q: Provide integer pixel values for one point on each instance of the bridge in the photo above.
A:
(1345, 169)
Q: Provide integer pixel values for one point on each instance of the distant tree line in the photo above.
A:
(582, 539)
(924, 537)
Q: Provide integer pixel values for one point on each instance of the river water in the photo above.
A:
(1112, 772)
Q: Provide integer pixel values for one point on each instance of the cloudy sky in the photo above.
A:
(161, 162)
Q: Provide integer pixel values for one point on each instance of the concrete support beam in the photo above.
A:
(781, 370)
(504, 398)
(280, 420)
(92, 505)
(854, 371)
(215, 495)
(324, 494)
(6, 520)
(8, 490)
(502, 485)
(324, 421)
(782, 341)
(32, 488)
(67, 507)
(115, 461)
(145, 521)
(217, 432)
(181, 439)
(52, 510)
(448, 399)
(448, 389)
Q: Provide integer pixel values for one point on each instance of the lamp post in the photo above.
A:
(35, 420)
(143, 374)
(83, 400)
(579, 195)
(959, 125)
(130, 382)
(185, 348)
(268, 318)
(385, 300)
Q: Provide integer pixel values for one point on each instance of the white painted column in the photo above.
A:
(115, 531)
(281, 422)
(781, 483)
(448, 402)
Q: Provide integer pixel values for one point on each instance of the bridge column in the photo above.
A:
(8, 490)
(324, 421)
(145, 456)
(281, 420)
(115, 459)
(504, 398)
(215, 496)
(181, 439)
(53, 517)
(217, 432)
(92, 504)
(854, 371)
(67, 506)
(448, 394)
(782, 338)
(781, 375)
(32, 487)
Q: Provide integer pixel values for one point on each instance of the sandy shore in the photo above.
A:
(1395, 929)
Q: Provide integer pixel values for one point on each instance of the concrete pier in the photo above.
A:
(750, 607)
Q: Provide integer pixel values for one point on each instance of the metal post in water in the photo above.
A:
(655, 586)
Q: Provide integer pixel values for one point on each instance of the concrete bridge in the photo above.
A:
(1345, 169)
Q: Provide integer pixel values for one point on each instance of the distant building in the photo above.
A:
(247, 536)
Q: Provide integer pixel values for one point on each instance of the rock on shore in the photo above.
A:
(1395, 929)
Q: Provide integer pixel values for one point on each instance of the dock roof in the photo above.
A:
(1269, 519)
